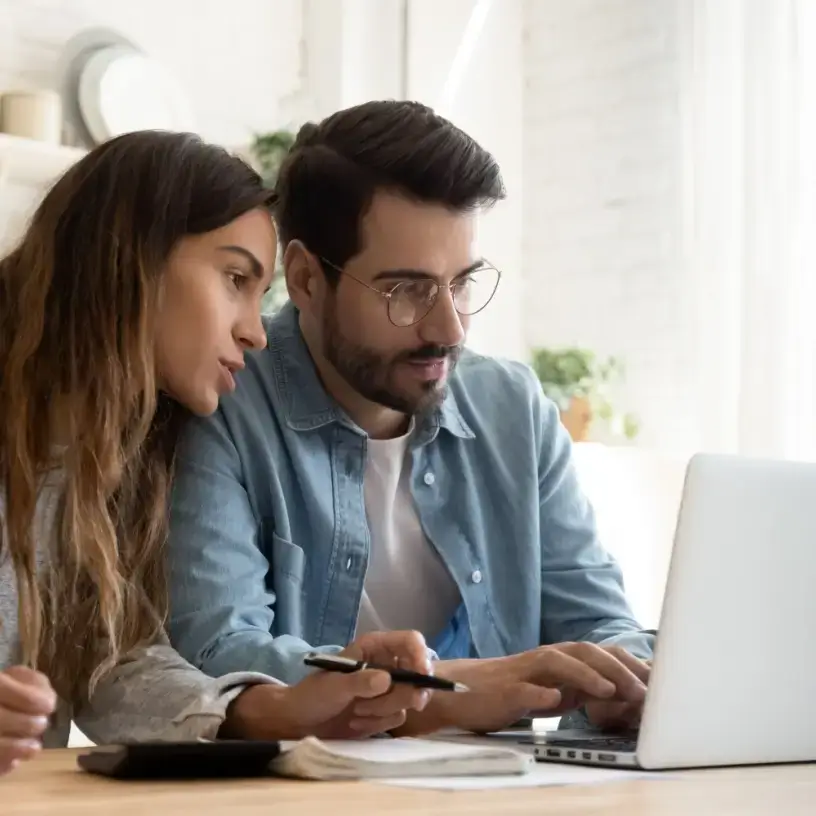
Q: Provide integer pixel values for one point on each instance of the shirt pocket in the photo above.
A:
(287, 570)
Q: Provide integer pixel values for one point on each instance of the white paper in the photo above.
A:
(544, 774)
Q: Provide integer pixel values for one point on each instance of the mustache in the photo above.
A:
(431, 352)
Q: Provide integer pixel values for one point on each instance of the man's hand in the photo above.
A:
(613, 716)
(333, 705)
(546, 682)
(26, 702)
(616, 715)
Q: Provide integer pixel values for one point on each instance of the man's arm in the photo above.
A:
(582, 593)
(221, 609)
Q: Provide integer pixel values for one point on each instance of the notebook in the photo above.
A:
(309, 758)
(312, 758)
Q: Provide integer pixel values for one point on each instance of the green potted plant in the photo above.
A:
(269, 150)
(578, 383)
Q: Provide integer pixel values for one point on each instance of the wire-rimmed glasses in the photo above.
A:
(411, 300)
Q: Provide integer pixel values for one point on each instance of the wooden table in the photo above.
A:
(52, 785)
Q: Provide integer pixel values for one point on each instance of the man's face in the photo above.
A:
(405, 368)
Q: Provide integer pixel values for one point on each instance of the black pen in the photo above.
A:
(336, 663)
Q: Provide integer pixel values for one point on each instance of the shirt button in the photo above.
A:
(476, 577)
(429, 478)
(348, 563)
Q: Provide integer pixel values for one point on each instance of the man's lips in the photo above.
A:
(429, 368)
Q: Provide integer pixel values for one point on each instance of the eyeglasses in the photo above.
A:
(410, 301)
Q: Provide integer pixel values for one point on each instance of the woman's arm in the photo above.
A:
(154, 694)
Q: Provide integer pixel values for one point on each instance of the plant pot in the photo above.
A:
(577, 418)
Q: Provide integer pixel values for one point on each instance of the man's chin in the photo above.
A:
(425, 398)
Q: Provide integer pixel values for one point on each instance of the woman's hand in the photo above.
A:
(337, 706)
(26, 702)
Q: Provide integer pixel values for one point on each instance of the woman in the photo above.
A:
(129, 302)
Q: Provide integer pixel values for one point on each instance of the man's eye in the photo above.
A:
(415, 290)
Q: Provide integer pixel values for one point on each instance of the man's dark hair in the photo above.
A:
(327, 182)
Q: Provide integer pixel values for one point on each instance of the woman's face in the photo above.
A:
(210, 312)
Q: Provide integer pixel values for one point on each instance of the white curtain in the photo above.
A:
(750, 144)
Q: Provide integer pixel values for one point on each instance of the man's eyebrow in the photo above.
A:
(421, 274)
(255, 265)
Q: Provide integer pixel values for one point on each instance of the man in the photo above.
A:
(370, 474)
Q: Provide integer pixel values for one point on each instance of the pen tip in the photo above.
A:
(460, 687)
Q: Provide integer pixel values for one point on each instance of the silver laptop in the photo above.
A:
(734, 674)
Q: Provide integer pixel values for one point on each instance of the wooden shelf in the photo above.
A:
(34, 164)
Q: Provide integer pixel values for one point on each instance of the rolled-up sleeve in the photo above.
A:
(154, 694)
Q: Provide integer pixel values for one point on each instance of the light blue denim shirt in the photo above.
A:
(269, 539)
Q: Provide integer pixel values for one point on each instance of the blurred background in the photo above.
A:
(660, 158)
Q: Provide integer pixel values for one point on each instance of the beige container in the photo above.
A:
(32, 115)
(577, 419)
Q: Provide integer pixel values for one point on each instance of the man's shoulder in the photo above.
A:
(478, 375)
(496, 390)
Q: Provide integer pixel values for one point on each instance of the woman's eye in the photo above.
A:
(237, 279)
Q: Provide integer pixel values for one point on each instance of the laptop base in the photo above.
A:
(607, 752)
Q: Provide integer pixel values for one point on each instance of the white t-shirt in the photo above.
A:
(407, 586)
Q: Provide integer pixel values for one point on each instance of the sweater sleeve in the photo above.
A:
(154, 694)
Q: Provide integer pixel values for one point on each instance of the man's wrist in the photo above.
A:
(442, 710)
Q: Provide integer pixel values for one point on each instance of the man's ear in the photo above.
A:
(303, 275)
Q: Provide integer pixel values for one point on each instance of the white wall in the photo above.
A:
(239, 60)
(487, 103)
(353, 54)
(357, 52)
(603, 198)
(636, 498)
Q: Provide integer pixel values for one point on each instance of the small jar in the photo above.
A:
(32, 115)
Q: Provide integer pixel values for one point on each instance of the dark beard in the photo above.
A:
(369, 373)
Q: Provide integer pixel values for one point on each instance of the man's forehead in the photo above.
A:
(391, 212)
(397, 232)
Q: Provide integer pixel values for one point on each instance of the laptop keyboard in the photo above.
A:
(624, 744)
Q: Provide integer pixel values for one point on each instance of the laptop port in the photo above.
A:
(586, 755)
(607, 758)
(571, 754)
(553, 752)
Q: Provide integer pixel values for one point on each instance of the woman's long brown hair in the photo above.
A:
(78, 393)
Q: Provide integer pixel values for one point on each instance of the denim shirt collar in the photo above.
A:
(306, 403)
